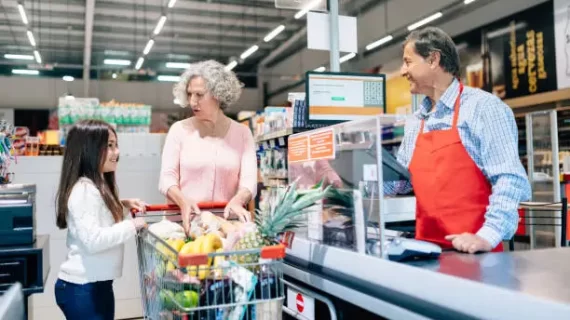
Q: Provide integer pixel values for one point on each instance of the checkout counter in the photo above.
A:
(24, 256)
(345, 263)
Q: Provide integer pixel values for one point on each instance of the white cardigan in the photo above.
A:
(95, 241)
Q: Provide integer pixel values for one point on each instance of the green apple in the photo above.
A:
(187, 298)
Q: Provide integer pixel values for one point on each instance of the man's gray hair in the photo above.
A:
(432, 39)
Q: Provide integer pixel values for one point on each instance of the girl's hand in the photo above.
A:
(139, 223)
(136, 204)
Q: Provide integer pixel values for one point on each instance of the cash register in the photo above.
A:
(17, 214)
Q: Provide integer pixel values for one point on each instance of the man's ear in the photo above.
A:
(434, 59)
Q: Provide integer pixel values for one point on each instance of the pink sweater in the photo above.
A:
(208, 169)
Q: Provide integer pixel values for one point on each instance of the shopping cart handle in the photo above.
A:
(174, 207)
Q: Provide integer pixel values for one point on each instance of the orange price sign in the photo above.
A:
(298, 149)
(322, 145)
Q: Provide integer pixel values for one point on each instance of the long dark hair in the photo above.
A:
(85, 153)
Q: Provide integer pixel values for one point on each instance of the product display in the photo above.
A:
(126, 117)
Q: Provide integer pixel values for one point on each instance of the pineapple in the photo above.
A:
(268, 226)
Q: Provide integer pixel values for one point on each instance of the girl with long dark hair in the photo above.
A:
(88, 205)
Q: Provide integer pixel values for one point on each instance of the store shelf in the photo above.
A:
(275, 135)
(392, 141)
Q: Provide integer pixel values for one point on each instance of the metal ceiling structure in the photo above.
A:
(75, 35)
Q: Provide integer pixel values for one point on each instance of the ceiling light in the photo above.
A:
(114, 76)
(25, 71)
(18, 57)
(468, 1)
(249, 52)
(424, 21)
(37, 56)
(140, 61)
(116, 53)
(171, 3)
(117, 62)
(23, 13)
(231, 65)
(169, 78)
(68, 78)
(31, 38)
(347, 57)
(308, 8)
(177, 65)
(159, 25)
(320, 69)
(378, 43)
(274, 33)
(148, 47)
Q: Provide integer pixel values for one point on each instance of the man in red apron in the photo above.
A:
(462, 152)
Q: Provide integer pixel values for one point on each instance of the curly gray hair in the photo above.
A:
(221, 83)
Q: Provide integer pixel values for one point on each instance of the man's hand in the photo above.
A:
(468, 242)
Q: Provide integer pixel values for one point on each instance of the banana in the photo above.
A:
(218, 260)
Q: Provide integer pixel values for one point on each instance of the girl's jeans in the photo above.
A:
(90, 301)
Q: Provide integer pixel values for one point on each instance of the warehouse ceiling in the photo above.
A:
(121, 29)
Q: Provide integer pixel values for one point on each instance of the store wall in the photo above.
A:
(38, 93)
(385, 17)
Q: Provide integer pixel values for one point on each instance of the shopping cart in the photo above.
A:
(232, 285)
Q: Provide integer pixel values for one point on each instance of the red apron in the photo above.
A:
(452, 194)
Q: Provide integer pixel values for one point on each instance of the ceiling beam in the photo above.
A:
(89, 15)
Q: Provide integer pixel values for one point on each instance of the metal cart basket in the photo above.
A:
(232, 285)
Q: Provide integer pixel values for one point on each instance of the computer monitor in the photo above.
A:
(12, 303)
(334, 97)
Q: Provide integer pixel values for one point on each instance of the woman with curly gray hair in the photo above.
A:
(208, 157)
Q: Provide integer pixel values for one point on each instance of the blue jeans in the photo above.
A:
(90, 301)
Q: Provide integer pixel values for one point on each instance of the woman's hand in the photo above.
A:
(237, 208)
(136, 204)
(188, 211)
(139, 223)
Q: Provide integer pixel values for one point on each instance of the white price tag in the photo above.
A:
(281, 141)
(265, 145)
(272, 143)
(370, 172)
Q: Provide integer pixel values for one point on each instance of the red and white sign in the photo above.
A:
(301, 303)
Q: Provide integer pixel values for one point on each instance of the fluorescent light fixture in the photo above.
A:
(177, 65)
(116, 53)
(231, 65)
(320, 69)
(23, 14)
(140, 61)
(347, 57)
(424, 21)
(18, 56)
(148, 46)
(380, 42)
(68, 78)
(31, 38)
(169, 78)
(117, 62)
(308, 8)
(249, 52)
(274, 33)
(159, 25)
(37, 56)
(26, 71)
(468, 1)
(171, 3)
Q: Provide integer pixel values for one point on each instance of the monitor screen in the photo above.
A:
(338, 97)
